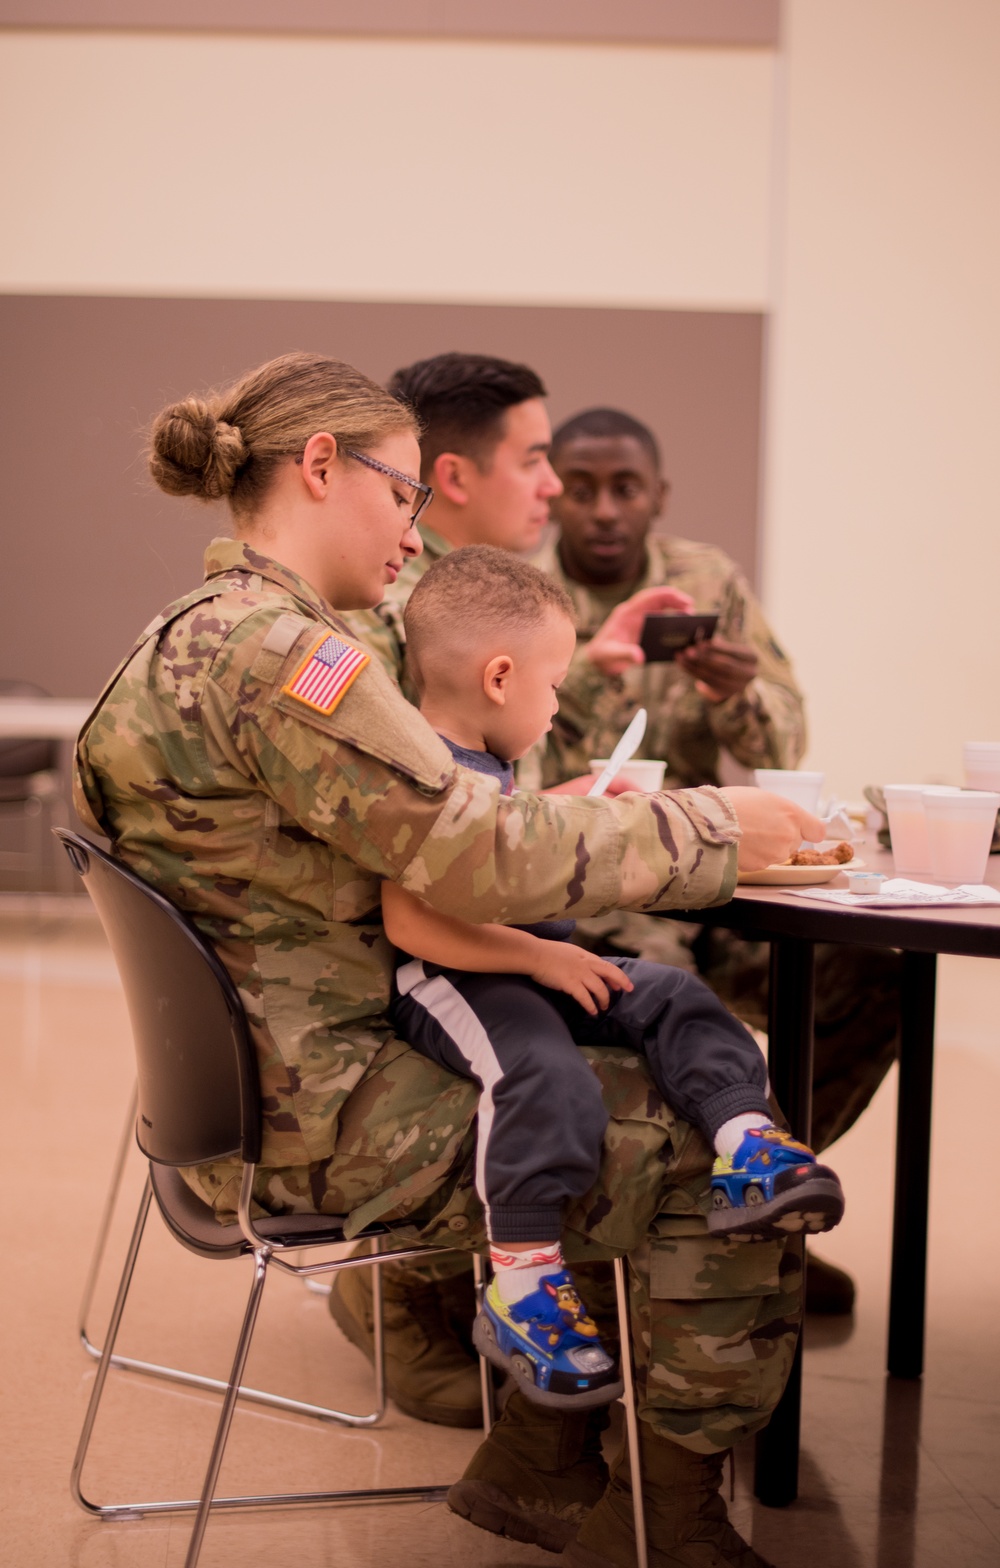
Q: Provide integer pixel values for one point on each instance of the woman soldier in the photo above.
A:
(252, 762)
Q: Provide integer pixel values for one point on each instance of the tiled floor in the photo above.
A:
(893, 1475)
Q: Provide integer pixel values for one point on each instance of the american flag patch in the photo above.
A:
(325, 676)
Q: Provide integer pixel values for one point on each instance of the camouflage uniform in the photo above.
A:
(857, 989)
(272, 824)
(762, 727)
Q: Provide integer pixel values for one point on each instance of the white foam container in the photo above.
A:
(793, 784)
(641, 772)
(960, 832)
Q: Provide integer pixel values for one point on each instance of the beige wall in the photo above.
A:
(345, 168)
(881, 535)
(640, 176)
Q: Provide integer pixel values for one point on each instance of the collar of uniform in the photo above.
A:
(434, 545)
(592, 606)
(235, 555)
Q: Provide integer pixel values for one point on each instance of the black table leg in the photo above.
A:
(790, 1060)
(913, 1148)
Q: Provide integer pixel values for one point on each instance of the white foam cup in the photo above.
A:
(981, 761)
(904, 804)
(794, 784)
(959, 833)
(640, 773)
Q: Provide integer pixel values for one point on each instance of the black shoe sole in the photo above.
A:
(808, 1209)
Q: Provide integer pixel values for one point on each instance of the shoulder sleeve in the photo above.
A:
(372, 779)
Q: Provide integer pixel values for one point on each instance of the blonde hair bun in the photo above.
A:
(194, 453)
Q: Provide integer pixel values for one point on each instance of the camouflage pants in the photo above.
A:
(714, 1322)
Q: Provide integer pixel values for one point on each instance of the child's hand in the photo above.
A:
(589, 980)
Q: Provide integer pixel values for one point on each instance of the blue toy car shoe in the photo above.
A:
(549, 1345)
(773, 1187)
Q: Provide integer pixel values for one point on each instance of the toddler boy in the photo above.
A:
(489, 639)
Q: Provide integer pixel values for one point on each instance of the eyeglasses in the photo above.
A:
(425, 492)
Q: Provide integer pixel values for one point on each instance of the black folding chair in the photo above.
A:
(198, 1100)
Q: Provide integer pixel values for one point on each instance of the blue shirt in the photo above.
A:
(496, 768)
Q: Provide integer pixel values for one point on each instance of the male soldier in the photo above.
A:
(484, 449)
(735, 694)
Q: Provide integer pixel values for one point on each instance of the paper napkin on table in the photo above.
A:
(897, 893)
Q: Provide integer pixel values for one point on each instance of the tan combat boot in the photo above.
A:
(429, 1373)
(686, 1522)
(537, 1475)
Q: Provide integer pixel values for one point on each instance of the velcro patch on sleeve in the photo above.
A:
(326, 673)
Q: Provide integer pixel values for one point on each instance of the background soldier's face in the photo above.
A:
(612, 493)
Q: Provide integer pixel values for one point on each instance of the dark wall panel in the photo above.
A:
(92, 550)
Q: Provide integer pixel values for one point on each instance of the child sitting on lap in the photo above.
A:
(489, 639)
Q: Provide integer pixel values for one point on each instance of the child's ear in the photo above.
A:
(496, 678)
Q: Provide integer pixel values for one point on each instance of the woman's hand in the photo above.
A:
(615, 647)
(773, 828)
(589, 980)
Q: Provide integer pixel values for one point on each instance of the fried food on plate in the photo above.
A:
(839, 855)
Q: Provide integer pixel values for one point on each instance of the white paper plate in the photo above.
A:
(796, 876)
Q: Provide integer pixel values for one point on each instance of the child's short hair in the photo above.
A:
(475, 591)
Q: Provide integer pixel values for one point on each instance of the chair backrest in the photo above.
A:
(199, 1093)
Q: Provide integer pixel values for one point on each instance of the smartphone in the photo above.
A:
(665, 635)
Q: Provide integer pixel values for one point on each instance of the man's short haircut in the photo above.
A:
(473, 592)
(460, 401)
(606, 422)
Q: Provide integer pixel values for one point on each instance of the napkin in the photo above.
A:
(897, 893)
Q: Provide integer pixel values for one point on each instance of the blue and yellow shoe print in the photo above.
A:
(549, 1345)
(773, 1187)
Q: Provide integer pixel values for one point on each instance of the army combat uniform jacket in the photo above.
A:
(762, 727)
(272, 822)
(271, 811)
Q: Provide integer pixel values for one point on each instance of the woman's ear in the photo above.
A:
(496, 678)
(317, 460)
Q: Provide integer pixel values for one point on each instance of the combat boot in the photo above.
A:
(686, 1522)
(429, 1373)
(537, 1475)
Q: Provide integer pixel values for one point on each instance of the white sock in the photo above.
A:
(518, 1273)
(730, 1134)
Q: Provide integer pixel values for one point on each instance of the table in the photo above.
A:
(43, 718)
(793, 925)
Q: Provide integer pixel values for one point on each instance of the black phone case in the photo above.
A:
(665, 635)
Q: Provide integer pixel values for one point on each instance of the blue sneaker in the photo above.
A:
(548, 1344)
(773, 1187)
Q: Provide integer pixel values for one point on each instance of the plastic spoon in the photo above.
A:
(623, 752)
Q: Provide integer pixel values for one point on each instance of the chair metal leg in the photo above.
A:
(106, 1359)
(208, 1503)
(124, 1144)
(631, 1413)
(260, 1260)
(210, 1385)
(485, 1371)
